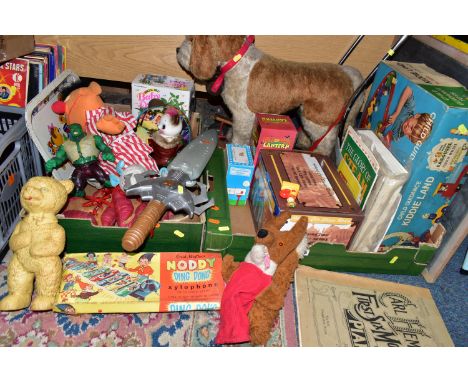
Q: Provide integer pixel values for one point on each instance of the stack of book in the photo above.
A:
(22, 78)
(375, 178)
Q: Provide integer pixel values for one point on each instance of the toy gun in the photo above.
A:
(169, 190)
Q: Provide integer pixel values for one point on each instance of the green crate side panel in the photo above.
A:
(214, 238)
(82, 236)
(400, 261)
(240, 246)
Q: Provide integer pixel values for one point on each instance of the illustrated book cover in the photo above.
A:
(142, 282)
(14, 82)
(358, 166)
(336, 309)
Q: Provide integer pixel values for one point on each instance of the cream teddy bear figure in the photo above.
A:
(36, 243)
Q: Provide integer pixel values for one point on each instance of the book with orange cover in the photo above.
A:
(141, 282)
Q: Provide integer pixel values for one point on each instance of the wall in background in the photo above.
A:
(121, 58)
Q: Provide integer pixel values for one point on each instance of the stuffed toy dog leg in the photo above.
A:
(255, 82)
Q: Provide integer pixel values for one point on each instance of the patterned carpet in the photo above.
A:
(197, 329)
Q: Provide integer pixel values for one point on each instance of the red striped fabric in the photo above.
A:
(126, 146)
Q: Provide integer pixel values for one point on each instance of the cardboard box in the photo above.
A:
(240, 169)
(15, 46)
(229, 229)
(120, 283)
(422, 116)
(273, 132)
(333, 213)
(174, 91)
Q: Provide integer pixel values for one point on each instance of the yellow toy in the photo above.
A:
(289, 191)
(36, 243)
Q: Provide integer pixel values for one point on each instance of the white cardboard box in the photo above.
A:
(177, 92)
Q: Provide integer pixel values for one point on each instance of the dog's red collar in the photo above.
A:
(232, 62)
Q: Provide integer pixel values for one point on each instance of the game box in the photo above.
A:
(422, 117)
(178, 92)
(323, 197)
(240, 169)
(116, 282)
(273, 132)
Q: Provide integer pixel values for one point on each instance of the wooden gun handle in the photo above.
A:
(139, 231)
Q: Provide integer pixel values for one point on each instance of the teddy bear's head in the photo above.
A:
(201, 55)
(45, 194)
(280, 243)
(78, 102)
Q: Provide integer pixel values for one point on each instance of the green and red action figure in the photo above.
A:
(83, 151)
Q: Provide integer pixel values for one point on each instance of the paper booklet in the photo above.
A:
(384, 199)
(336, 309)
(140, 282)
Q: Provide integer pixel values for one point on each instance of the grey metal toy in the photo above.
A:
(169, 190)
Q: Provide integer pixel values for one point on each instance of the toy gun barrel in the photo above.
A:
(144, 224)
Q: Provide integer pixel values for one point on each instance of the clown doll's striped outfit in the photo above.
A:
(126, 146)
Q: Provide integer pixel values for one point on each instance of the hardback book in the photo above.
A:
(385, 197)
(44, 58)
(52, 53)
(35, 84)
(358, 166)
(14, 83)
(337, 309)
(141, 282)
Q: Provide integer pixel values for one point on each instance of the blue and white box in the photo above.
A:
(239, 173)
(422, 117)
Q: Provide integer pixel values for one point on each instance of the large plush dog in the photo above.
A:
(255, 82)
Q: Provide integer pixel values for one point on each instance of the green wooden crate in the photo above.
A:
(333, 257)
(399, 260)
(82, 236)
(219, 235)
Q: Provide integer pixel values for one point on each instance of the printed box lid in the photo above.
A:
(164, 81)
(275, 121)
(239, 155)
(444, 88)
